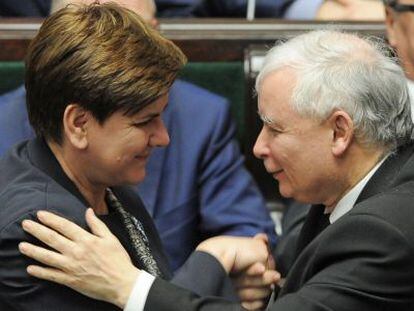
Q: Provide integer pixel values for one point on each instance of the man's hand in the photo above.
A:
(250, 265)
(236, 253)
(353, 10)
(254, 286)
(95, 265)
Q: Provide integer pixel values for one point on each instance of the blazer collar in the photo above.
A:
(395, 169)
(42, 157)
(390, 173)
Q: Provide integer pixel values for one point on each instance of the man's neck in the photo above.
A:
(356, 168)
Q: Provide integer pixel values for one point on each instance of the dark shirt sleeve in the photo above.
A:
(216, 284)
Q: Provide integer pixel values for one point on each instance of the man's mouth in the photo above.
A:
(275, 173)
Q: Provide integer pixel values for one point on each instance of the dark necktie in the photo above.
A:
(315, 223)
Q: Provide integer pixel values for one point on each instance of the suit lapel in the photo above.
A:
(388, 174)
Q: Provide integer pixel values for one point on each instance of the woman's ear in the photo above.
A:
(75, 125)
(343, 132)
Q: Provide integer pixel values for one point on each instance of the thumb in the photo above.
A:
(97, 227)
(256, 269)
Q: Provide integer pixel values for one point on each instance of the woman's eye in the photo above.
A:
(142, 123)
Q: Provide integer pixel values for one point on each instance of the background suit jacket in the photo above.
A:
(363, 261)
(26, 8)
(196, 187)
(220, 8)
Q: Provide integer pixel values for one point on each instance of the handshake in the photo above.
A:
(249, 263)
(96, 264)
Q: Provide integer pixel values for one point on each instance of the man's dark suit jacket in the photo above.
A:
(31, 179)
(362, 262)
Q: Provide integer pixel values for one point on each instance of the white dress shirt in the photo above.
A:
(139, 293)
(348, 200)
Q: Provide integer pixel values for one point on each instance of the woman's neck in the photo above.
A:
(94, 193)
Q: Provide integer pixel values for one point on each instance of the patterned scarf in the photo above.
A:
(136, 234)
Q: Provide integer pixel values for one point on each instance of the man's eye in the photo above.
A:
(273, 131)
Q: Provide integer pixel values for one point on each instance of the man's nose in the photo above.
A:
(260, 149)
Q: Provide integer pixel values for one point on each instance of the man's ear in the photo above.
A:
(343, 132)
(75, 125)
(390, 26)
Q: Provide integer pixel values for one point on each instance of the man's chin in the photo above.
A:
(285, 192)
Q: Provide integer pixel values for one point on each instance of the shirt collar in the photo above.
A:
(348, 200)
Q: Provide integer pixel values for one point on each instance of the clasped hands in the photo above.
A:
(96, 264)
(250, 265)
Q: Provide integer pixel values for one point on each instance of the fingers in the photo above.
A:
(254, 305)
(256, 269)
(49, 274)
(271, 263)
(61, 225)
(96, 225)
(43, 255)
(250, 295)
(47, 236)
(264, 280)
(254, 288)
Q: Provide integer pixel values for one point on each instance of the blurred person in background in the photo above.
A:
(289, 9)
(25, 8)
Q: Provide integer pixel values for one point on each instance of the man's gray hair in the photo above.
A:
(338, 71)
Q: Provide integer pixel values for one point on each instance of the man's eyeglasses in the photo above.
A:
(401, 7)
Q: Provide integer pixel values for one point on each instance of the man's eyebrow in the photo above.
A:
(266, 119)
